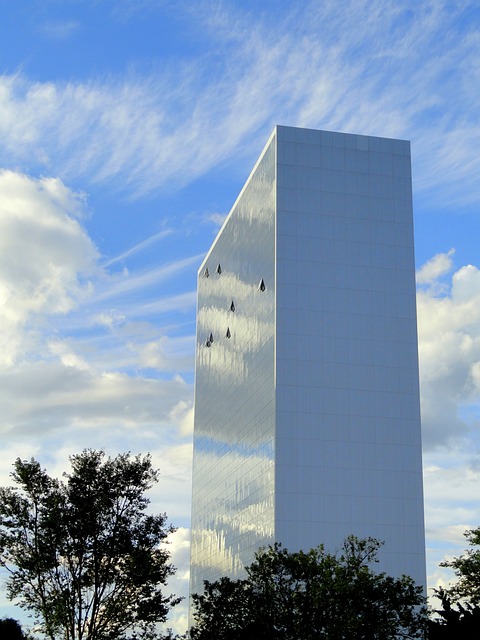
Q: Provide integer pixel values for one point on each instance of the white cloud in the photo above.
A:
(165, 354)
(46, 258)
(67, 357)
(449, 350)
(179, 549)
(57, 303)
(95, 378)
(438, 266)
(49, 396)
(182, 414)
(452, 505)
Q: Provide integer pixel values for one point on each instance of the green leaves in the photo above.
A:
(83, 555)
(467, 570)
(459, 615)
(312, 595)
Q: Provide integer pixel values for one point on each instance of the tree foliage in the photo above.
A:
(83, 555)
(302, 596)
(459, 614)
(453, 620)
(467, 571)
(11, 629)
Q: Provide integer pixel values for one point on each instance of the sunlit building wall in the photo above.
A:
(307, 425)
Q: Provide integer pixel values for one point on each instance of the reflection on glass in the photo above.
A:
(233, 472)
(307, 409)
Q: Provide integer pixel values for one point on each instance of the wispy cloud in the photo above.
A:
(60, 30)
(405, 73)
(217, 219)
(138, 247)
(125, 283)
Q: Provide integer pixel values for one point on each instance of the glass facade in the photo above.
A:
(233, 472)
(307, 419)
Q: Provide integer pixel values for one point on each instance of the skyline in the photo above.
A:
(126, 134)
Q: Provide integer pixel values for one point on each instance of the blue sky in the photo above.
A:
(127, 129)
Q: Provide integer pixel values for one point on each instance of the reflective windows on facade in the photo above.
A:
(307, 422)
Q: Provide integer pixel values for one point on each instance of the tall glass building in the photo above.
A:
(307, 422)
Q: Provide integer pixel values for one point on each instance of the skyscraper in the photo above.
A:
(307, 422)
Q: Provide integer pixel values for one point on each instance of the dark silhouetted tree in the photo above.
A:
(454, 621)
(83, 555)
(10, 629)
(459, 615)
(307, 596)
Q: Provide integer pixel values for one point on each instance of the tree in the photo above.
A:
(455, 620)
(10, 629)
(459, 615)
(467, 570)
(82, 554)
(302, 596)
